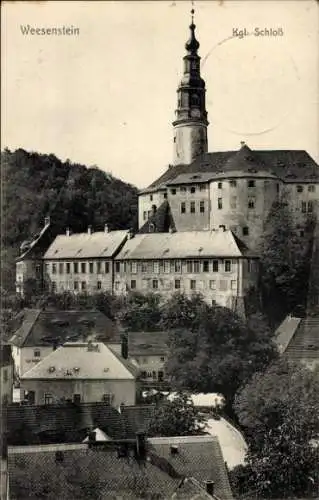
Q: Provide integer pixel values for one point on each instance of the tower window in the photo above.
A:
(192, 207)
(220, 185)
(183, 207)
(251, 202)
(299, 189)
(202, 207)
(220, 203)
(251, 184)
(245, 231)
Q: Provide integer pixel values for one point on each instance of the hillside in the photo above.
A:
(35, 185)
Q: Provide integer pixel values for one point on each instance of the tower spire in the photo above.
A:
(190, 125)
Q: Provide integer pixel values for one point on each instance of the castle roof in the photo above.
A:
(85, 245)
(88, 361)
(290, 166)
(183, 244)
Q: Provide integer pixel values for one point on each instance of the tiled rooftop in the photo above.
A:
(147, 343)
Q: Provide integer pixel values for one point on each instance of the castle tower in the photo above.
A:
(190, 125)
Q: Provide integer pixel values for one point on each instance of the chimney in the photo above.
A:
(47, 220)
(140, 446)
(174, 449)
(124, 346)
(242, 143)
(89, 229)
(68, 232)
(106, 228)
(210, 487)
(222, 227)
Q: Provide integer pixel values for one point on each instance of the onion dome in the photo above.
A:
(192, 45)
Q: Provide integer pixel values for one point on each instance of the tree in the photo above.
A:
(181, 311)
(139, 312)
(178, 417)
(284, 260)
(278, 409)
(221, 350)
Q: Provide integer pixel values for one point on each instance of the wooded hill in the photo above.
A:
(36, 185)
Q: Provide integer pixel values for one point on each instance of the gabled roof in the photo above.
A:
(85, 246)
(82, 361)
(53, 327)
(183, 244)
(287, 165)
(304, 345)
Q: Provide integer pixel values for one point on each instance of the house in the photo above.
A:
(162, 468)
(39, 332)
(82, 262)
(149, 351)
(214, 263)
(81, 372)
(6, 374)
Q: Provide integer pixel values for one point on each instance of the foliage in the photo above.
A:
(176, 418)
(73, 195)
(180, 311)
(139, 312)
(279, 411)
(284, 259)
(220, 349)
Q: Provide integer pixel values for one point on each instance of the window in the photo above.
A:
(107, 398)
(83, 285)
(202, 187)
(251, 184)
(223, 285)
(183, 189)
(99, 267)
(299, 189)
(202, 207)
(133, 284)
(53, 268)
(117, 285)
(233, 183)
(220, 203)
(245, 231)
(277, 188)
(76, 285)
(196, 266)
(177, 284)
(143, 374)
(311, 188)
(36, 353)
(160, 376)
(310, 206)
(5, 375)
(144, 267)
(53, 286)
(215, 266)
(173, 191)
(156, 266)
(46, 268)
(61, 268)
(233, 202)
(233, 284)
(117, 267)
(106, 267)
(155, 284)
(164, 196)
(206, 266)
(151, 197)
(91, 267)
(144, 215)
(193, 284)
(68, 268)
(75, 267)
(212, 284)
(166, 266)
(183, 207)
(251, 202)
(303, 207)
(83, 267)
(189, 266)
(227, 266)
(76, 398)
(249, 266)
(220, 185)
(99, 285)
(192, 189)
(177, 266)
(133, 267)
(48, 398)
(192, 209)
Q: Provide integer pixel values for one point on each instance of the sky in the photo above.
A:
(107, 96)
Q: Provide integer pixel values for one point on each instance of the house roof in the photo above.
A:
(87, 360)
(184, 244)
(287, 165)
(85, 246)
(147, 343)
(161, 474)
(28, 246)
(136, 418)
(36, 327)
(304, 345)
(160, 221)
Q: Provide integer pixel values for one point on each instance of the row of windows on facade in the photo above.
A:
(154, 266)
(231, 183)
(159, 376)
(154, 284)
(49, 398)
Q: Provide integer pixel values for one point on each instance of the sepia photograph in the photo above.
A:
(159, 315)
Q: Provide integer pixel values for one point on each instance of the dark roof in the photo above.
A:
(85, 466)
(38, 243)
(136, 418)
(304, 345)
(288, 165)
(5, 355)
(190, 489)
(160, 222)
(147, 343)
(46, 327)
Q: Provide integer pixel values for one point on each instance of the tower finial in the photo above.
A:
(192, 45)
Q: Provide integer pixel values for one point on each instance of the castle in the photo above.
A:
(199, 223)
